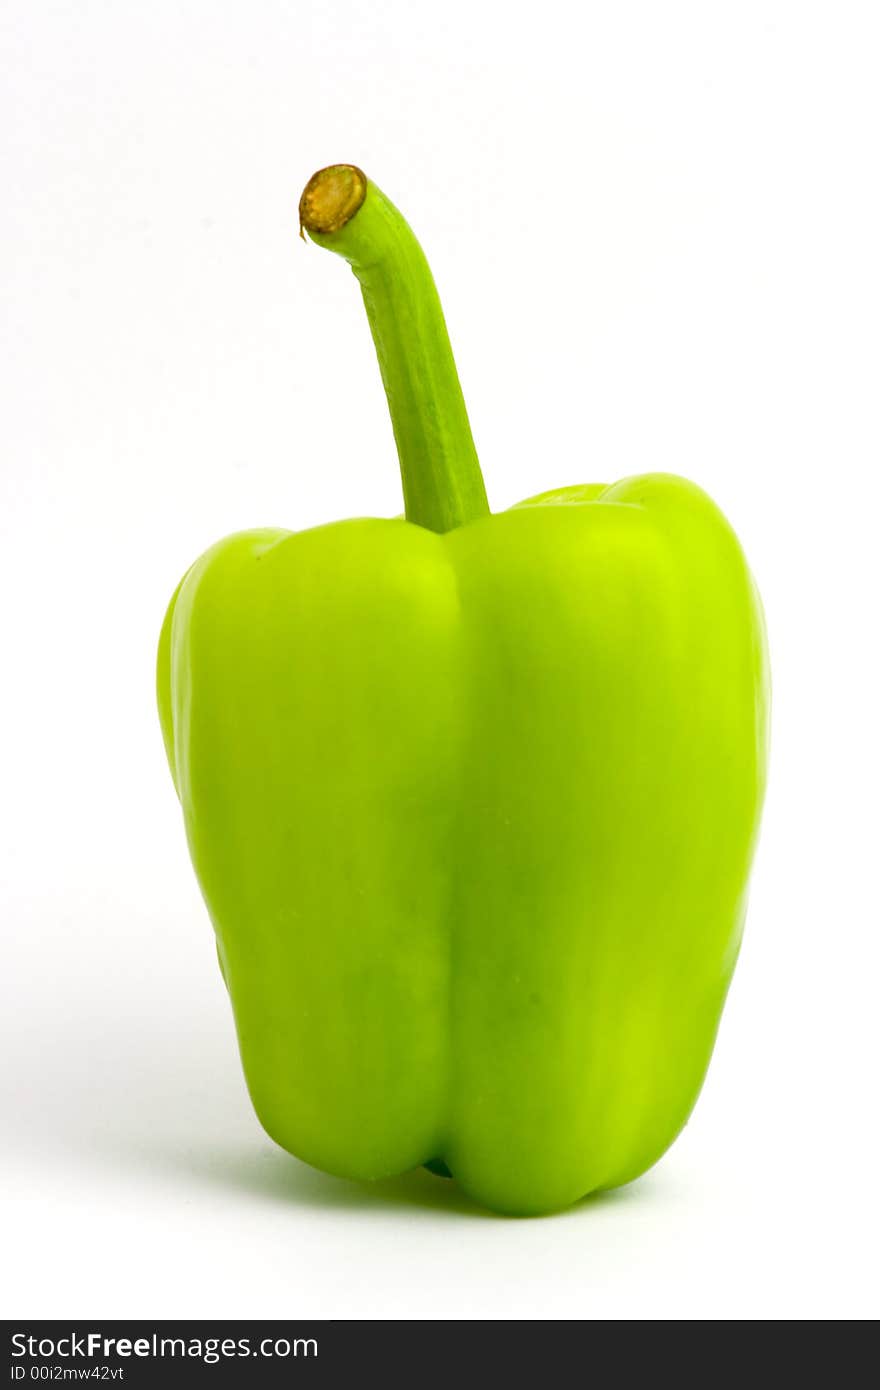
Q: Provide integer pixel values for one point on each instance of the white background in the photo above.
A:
(656, 232)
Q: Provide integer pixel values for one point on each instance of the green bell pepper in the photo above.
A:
(472, 799)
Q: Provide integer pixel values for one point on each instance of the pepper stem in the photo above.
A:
(345, 212)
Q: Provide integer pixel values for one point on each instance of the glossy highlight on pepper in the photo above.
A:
(472, 799)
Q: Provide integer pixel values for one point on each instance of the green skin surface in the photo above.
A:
(472, 804)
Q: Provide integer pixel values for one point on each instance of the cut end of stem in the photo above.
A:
(331, 198)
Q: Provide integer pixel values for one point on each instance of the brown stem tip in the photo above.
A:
(331, 198)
